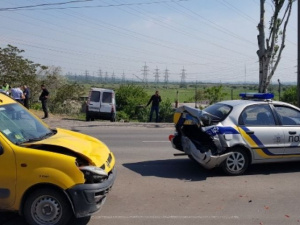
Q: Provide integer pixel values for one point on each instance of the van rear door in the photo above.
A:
(94, 101)
(107, 102)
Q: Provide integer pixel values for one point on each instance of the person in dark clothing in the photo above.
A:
(155, 99)
(44, 98)
(26, 93)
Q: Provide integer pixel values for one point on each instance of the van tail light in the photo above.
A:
(171, 137)
(112, 109)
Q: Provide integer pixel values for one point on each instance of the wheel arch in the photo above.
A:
(245, 148)
(39, 186)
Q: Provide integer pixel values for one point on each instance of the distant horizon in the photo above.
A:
(195, 40)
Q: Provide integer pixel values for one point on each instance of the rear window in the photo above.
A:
(95, 96)
(218, 111)
(107, 97)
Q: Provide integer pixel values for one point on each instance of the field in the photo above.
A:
(187, 94)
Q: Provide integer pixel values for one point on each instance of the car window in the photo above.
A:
(95, 96)
(257, 115)
(218, 111)
(288, 115)
(18, 125)
(107, 97)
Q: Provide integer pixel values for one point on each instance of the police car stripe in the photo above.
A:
(257, 146)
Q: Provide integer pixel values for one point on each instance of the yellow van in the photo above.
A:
(50, 175)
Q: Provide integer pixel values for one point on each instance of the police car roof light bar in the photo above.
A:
(262, 96)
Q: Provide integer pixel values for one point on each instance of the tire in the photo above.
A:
(236, 163)
(46, 206)
(113, 118)
(87, 117)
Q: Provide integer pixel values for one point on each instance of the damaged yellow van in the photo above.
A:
(50, 175)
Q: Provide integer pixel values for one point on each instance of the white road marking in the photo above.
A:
(166, 217)
(155, 141)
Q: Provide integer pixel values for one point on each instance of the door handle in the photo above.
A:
(292, 132)
(250, 132)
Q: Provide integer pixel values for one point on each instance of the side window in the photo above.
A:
(288, 115)
(257, 115)
(95, 96)
(107, 97)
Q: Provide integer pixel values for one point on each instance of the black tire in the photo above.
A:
(87, 117)
(236, 163)
(47, 206)
(113, 118)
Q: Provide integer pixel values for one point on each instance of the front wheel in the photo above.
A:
(236, 163)
(47, 207)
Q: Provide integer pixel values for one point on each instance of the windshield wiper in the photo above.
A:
(37, 139)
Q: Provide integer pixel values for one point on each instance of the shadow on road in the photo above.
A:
(9, 218)
(183, 169)
(274, 168)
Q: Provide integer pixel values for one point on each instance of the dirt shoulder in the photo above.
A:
(63, 121)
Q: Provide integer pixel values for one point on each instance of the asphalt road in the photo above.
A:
(154, 187)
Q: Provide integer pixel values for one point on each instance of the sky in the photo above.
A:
(194, 40)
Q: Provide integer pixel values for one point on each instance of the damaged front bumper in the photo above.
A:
(206, 159)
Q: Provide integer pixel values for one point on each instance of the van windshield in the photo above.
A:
(19, 126)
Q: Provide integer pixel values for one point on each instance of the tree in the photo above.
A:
(15, 69)
(214, 94)
(130, 99)
(270, 50)
(290, 95)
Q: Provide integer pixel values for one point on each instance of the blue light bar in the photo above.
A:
(257, 95)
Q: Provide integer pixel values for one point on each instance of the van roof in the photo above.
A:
(102, 89)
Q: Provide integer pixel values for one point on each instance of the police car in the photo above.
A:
(234, 134)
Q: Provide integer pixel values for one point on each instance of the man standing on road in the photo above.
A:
(44, 98)
(155, 99)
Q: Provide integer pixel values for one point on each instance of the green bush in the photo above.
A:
(130, 99)
(290, 95)
(166, 111)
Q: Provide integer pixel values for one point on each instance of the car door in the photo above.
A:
(290, 120)
(106, 102)
(94, 101)
(7, 175)
(261, 132)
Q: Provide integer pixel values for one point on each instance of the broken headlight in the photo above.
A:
(93, 174)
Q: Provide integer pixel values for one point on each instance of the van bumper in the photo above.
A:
(101, 115)
(87, 199)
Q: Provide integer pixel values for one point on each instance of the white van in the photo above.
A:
(101, 104)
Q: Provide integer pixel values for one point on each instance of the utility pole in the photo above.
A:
(86, 73)
(156, 75)
(113, 76)
(166, 77)
(100, 75)
(145, 74)
(183, 76)
(279, 88)
(123, 78)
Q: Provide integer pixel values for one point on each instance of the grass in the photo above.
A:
(231, 91)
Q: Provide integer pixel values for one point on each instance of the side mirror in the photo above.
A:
(1, 150)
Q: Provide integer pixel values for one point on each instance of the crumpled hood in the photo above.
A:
(92, 149)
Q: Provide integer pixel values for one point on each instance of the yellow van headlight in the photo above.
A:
(93, 174)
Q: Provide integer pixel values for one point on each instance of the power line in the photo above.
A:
(42, 5)
(35, 7)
